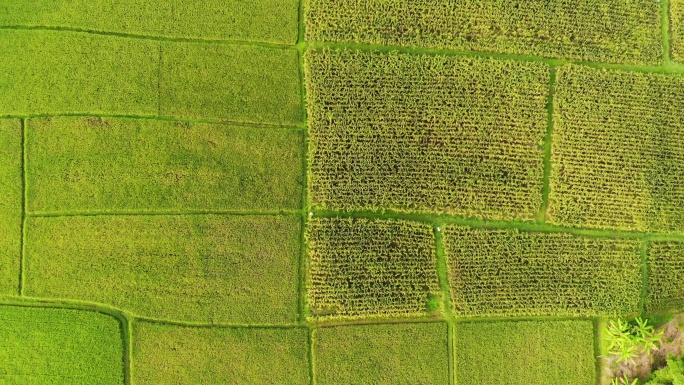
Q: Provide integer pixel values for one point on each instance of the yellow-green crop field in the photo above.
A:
(335, 192)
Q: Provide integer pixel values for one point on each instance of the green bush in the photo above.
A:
(627, 341)
(672, 374)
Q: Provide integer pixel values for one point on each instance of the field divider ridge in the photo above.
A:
(547, 145)
(553, 62)
(161, 118)
(23, 207)
(39, 214)
(148, 37)
(445, 288)
(480, 223)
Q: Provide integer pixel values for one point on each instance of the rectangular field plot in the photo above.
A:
(360, 268)
(607, 30)
(273, 21)
(170, 355)
(209, 268)
(11, 198)
(42, 346)
(391, 354)
(513, 273)
(50, 72)
(426, 133)
(618, 150)
(228, 82)
(665, 277)
(525, 353)
(88, 164)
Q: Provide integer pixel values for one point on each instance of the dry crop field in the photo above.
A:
(335, 192)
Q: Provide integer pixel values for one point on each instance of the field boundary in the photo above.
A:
(41, 214)
(665, 30)
(163, 118)
(146, 37)
(663, 68)
(479, 223)
(22, 240)
(445, 288)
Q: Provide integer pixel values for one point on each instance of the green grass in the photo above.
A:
(665, 277)
(41, 346)
(51, 72)
(207, 268)
(89, 164)
(514, 273)
(11, 202)
(272, 21)
(418, 133)
(393, 354)
(618, 150)
(230, 83)
(609, 30)
(169, 355)
(525, 353)
(360, 268)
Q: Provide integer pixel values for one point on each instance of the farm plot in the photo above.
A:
(90, 164)
(514, 273)
(230, 82)
(426, 133)
(525, 353)
(59, 346)
(618, 150)
(391, 354)
(169, 355)
(362, 268)
(273, 21)
(607, 30)
(665, 277)
(52, 72)
(208, 268)
(11, 198)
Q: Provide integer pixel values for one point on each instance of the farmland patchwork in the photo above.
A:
(335, 192)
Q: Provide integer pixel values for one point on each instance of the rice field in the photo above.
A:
(324, 192)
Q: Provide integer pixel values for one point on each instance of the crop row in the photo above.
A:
(273, 21)
(465, 136)
(57, 72)
(605, 31)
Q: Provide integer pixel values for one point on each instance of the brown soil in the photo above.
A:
(672, 344)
